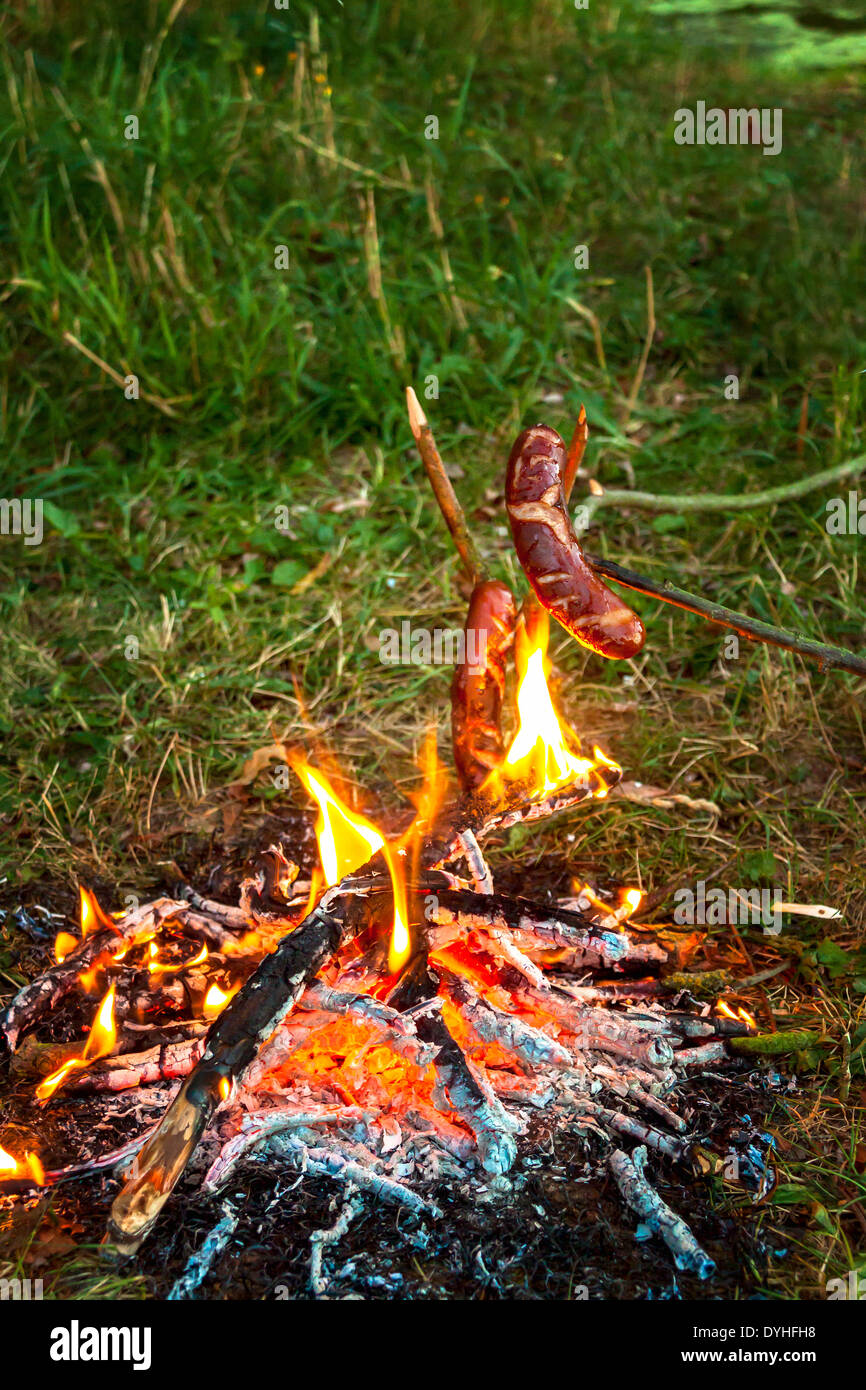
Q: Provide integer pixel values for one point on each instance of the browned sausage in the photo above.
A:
(550, 554)
(479, 682)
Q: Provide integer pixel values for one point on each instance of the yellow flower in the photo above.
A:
(258, 69)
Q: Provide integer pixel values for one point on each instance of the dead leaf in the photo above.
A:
(315, 573)
(259, 760)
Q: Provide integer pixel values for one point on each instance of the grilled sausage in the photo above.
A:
(479, 682)
(550, 554)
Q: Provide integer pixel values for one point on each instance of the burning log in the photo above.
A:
(166, 1062)
(100, 947)
(632, 1182)
(235, 919)
(545, 926)
(232, 1043)
(602, 1030)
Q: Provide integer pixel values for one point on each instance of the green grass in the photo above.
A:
(285, 387)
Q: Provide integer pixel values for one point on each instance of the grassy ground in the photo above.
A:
(154, 639)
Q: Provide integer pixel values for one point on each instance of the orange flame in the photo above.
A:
(539, 754)
(64, 942)
(157, 967)
(30, 1165)
(34, 1168)
(741, 1016)
(216, 999)
(91, 914)
(89, 979)
(346, 841)
(100, 1042)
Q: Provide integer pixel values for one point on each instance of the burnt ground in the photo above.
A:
(560, 1232)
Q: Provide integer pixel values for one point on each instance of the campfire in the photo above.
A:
(392, 1021)
(432, 1016)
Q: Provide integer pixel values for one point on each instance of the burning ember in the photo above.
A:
(405, 1021)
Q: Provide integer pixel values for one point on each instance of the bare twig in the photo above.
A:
(347, 163)
(719, 502)
(648, 341)
(441, 484)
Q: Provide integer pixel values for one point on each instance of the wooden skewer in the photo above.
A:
(441, 484)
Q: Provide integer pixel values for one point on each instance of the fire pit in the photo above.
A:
(432, 1018)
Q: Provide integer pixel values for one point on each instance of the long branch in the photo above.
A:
(748, 627)
(718, 502)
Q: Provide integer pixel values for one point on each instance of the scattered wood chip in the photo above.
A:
(647, 795)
